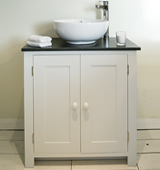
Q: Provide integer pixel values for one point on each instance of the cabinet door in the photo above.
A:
(104, 104)
(57, 104)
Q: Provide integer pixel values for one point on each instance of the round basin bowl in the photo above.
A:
(80, 31)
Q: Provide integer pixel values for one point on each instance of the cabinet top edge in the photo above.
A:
(100, 45)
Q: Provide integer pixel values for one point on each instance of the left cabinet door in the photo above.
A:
(57, 104)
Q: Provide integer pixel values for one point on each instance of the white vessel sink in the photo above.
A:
(80, 31)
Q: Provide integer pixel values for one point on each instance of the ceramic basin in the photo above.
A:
(80, 31)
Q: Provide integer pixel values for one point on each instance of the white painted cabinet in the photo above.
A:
(102, 123)
(80, 105)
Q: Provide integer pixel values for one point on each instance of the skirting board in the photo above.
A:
(148, 123)
(12, 123)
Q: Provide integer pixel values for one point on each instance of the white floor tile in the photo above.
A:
(102, 165)
(11, 147)
(11, 162)
(149, 162)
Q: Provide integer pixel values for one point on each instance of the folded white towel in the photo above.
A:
(38, 38)
(38, 44)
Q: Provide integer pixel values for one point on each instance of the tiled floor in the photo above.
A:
(12, 155)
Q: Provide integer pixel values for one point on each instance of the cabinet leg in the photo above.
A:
(29, 162)
(132, 160)
(29, 154)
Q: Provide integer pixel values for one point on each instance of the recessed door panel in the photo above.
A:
(103, 100)
(57, 104)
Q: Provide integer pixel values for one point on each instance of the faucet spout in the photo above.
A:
(105, 9)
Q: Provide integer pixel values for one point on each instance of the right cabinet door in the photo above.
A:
(104, 104)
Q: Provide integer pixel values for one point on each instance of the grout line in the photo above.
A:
(148, 129)
(5, 140)
(147, 153)
(12, 154)
(11, 129)
(149, 139)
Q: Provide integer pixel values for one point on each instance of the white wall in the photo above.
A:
(21, 18)
(140, 18)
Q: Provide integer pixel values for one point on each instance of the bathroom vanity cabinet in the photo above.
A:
(80, 101)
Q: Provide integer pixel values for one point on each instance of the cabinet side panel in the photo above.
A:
(28, 110)
(132, 109)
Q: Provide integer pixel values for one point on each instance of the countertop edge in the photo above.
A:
(101, 45)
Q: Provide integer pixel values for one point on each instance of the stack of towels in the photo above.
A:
(39, 41)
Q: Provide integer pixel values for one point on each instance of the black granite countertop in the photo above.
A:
(59, 44)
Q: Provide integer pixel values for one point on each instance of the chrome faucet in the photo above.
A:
(105, 9)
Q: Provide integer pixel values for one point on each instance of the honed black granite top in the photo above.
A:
(59, 44)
